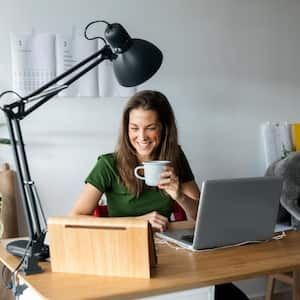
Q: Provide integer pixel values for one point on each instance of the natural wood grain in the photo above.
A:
(176, 270)
(296, 285)
(270, 287)
(101, 246)
(8, 212)
(287, 278)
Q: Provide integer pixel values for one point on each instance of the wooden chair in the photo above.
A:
(287, 278)
(177, 215)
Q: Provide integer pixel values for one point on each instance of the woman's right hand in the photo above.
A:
(157, 221)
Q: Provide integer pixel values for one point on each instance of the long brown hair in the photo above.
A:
(168, 148)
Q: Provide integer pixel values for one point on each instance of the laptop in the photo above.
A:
(231, 212)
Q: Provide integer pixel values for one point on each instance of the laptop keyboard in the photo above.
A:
(188, 237)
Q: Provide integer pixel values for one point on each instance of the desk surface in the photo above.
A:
(176, 270)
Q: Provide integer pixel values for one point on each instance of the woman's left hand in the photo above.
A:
(170, 182)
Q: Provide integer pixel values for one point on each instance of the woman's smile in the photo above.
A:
(144, 132)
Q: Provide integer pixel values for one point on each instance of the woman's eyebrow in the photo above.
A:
(149, 125)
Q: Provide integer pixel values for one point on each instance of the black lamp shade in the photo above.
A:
(138, 63)
(135, 60)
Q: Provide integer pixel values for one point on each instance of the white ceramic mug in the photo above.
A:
(152, 170)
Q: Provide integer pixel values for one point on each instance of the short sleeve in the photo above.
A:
(185, 171)
(101, 176)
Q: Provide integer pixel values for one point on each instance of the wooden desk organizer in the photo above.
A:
(101, 246)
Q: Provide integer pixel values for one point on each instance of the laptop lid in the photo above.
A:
(233, 211)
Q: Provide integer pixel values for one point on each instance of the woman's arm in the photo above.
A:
(188, 198)
(87, 201)
(186, 194)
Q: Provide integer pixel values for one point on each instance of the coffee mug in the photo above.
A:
(152, 170)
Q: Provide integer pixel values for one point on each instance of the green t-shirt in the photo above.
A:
(120, 203)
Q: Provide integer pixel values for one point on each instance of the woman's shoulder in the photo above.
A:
(108, 158)
(107, 161)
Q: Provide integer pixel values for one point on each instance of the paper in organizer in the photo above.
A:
(276, 140)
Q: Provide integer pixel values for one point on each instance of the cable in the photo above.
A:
(13, 274)
(9, 92)
(172, 245)
(96, 37)
(23, 257)
(12, 92)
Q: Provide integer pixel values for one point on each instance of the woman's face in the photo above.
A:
(144, 132)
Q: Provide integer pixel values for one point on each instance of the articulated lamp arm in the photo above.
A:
(134, 61)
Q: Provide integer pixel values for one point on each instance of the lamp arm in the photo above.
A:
(35, 249)
(137, 61)
(67, 83)
(14, 129)
(105, 52)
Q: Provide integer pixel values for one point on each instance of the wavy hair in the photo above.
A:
(168, 149)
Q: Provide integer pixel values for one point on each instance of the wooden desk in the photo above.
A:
(176, 270)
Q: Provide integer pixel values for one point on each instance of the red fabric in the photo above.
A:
(179, 214)
(101, 211)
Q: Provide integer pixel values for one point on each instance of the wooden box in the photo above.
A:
(101, 246)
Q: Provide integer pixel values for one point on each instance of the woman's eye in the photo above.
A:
(152, 128)
(134, 129)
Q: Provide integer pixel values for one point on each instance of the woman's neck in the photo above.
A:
(144, 158)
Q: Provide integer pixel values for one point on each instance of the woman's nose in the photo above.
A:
(142, 134)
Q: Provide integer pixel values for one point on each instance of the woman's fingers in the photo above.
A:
(157, 221)
(158, 226)
(169, 182)
(167, 177)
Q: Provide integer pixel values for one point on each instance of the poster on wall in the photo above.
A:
(37, 58)
(64, 51)
(33, 60)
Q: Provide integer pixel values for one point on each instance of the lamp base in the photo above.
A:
(18, 248)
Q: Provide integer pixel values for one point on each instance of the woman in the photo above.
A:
(148, 132)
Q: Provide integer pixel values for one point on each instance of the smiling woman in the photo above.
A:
(148, 132)
(144, 132)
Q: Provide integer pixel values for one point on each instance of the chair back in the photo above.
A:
(178, 213)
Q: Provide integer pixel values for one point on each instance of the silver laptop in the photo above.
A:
(230, 212)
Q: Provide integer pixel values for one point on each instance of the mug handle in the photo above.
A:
(136, 172)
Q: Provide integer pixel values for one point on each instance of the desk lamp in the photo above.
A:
(134, 62)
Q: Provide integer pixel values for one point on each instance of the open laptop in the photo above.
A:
(230, 212)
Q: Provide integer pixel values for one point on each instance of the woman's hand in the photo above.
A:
(157, 221)
(170, 183)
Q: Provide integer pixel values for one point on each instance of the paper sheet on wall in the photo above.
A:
(39, 57)
(88, 84)
(108, 84)
(33, 60)
(276, 139)
(65, 60)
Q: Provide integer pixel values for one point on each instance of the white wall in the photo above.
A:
(228, 66)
